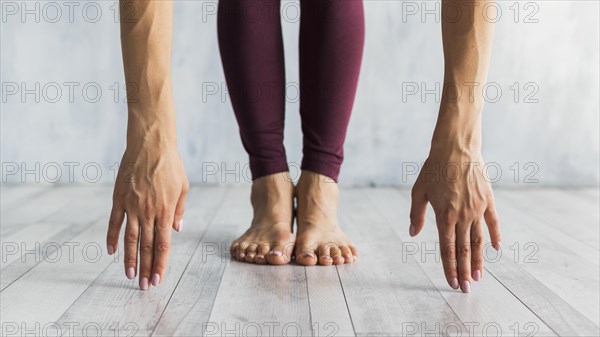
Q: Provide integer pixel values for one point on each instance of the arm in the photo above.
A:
(151, 184)
(452, 178)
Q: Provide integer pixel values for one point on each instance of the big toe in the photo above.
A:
(306, 256)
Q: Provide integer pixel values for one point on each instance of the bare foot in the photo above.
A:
(269, 238)
(320, 238)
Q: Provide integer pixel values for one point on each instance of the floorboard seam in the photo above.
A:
(90, 224)
(345, 300)
(210, 220)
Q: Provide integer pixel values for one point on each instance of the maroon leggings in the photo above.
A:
(331, 45)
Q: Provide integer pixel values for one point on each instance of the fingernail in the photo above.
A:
(180, 225)
(465, 287)
(412, 230)
(454, 283)
(155, 279)
(130, 273)
(497, 245)
(144, 283)
(277, 253)
(477, 275)
(110, 249)
(311, 255)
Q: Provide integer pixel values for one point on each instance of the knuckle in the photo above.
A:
(131, 238)
(477, 240)
(162, 247)
(146, 247)
(449, 252)
(464, 250)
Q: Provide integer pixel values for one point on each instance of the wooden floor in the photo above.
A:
(56, 277)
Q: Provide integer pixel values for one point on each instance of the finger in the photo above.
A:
(180, 209)
(447, 237)
(463, 255)
(418, 209)
(477, 251)
(117, 215)
(162, 247)
(493, 225)
(146, 253)
(132, 237)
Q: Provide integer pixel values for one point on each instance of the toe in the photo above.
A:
(261, 253)
(279, 254)
(241, 253)
(305, 255)
(336, 255)
(347, 254)
(251, 252)
(324, 253)
(354, 251)
(233, 250)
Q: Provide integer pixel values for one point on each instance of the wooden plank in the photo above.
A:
(257, 299)
(39, 297)
(563, 318)
(387, 294)
(188, 310)
(490, 308)
(40, 207)
(328, 308)
(25, 248)
(116, 304)
(558, 262)
(560, 211)
(13, 195)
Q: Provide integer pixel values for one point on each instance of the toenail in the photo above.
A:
(477, 275)
(251, 256)
(242, 254)
(277, 253)
(260, 257)
(311, 255)
(355, 257)
(327, 257)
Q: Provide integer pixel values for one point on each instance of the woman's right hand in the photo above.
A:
(150, 189)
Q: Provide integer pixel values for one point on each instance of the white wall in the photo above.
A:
(390, 129)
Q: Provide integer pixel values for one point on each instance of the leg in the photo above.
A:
(251, 49)
(331, 44)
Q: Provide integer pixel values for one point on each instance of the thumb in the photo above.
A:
(418, 210)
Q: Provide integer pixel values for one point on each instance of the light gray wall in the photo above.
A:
(556, 137)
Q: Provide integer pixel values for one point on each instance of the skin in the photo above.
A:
(151, 185)
(152, 195)
(457, 190)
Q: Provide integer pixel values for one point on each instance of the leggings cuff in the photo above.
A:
(327, 169)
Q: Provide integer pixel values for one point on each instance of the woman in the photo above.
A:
(331, 43)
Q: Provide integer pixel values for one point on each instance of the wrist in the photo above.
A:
(458, 130)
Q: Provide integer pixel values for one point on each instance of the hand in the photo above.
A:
(453, 181)
(151, 188)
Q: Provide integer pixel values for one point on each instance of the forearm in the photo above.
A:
(146, 35)
(467, 48)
